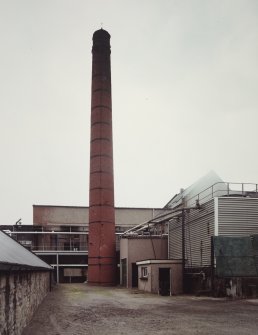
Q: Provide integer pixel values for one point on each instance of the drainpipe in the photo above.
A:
(212, 265)
(183, 248)
(50, 281)
(168, 227)
(57, 268)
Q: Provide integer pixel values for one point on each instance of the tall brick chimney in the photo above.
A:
(102, 243)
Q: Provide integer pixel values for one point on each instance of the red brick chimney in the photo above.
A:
(102, 242)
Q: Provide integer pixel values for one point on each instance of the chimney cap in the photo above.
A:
(101, 34)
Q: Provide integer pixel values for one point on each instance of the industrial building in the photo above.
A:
(60, 236)
(212, 230)
(82, 243)
(211, 208)
(171, 250)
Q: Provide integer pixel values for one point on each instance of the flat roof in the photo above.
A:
(86, 207)
(159, 261)
(144, 237)
(15, 256)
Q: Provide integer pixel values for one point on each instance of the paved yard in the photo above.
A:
(82, 309)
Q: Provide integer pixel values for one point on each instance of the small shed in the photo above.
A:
(161, 276)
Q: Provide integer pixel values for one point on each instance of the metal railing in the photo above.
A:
(51, 247)
(219, 189)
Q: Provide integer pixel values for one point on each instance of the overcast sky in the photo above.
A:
(184, 82)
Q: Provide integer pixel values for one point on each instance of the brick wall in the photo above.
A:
(20, 294)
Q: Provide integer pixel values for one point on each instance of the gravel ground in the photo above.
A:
(81, 309)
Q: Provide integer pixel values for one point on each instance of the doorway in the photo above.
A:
(164, 281)
(124, 272)
(134, 275)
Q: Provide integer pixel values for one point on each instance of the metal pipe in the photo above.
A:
(183, 248)
(49, 232)
(212, 265)
(57, 269)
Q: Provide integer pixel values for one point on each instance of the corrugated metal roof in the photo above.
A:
(14, 254)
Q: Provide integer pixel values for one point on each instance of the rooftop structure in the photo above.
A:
(209, 187)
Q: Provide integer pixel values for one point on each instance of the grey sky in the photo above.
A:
(184, 76)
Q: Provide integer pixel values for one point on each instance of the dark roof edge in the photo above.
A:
(63, 206)
(47, 265)
(4, 266)
(144, 237)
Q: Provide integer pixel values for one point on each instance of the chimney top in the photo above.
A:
(101, 41)
(101, 34)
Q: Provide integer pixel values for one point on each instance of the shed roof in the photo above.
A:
(14, 256)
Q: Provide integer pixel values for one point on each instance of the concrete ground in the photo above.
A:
(81, 309)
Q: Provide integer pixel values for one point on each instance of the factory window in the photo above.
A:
(144, 272)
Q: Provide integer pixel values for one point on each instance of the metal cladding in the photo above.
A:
(102, 248)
